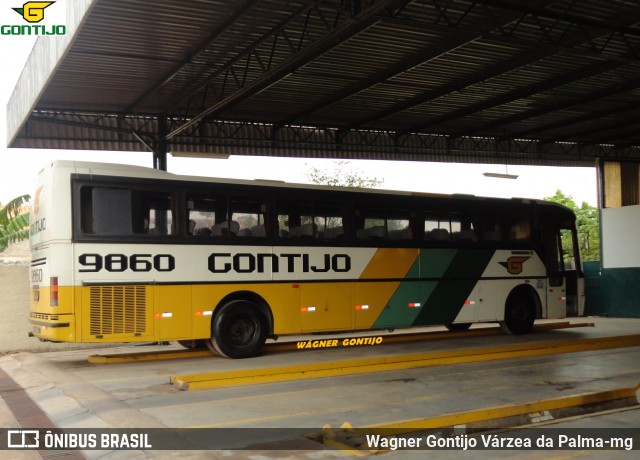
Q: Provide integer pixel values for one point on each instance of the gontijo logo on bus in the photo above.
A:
(514, 264)
(37, 225)
(33, 13)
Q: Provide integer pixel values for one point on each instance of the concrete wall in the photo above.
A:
(14, 304)
(14, 299)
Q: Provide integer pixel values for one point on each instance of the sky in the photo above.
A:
(19, 167)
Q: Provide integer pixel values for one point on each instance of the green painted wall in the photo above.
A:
(621, 292)
(612, 291)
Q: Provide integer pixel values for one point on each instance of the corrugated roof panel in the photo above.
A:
(462, 68)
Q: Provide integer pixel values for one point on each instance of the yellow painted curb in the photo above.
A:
(288, 346)
(395, 362)
(501, 412)
(340, 438)
(146, 356)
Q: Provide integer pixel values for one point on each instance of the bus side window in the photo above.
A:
(152, 213)
(492, 224)
(436, 227)
(201, 214)
(567, 241)
(370, 224)
(384, 223)
(105, 210)
(519, 227)
(248, 217)
(399, 225)
(328, 220)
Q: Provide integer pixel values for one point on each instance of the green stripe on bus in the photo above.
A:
(431, 263)
(447, 299)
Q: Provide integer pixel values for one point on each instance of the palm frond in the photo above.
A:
(11, 209)
(14, 225)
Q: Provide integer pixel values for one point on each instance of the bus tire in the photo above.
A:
(519, 314)
(457, 327)
(192, 344)
(239, 330)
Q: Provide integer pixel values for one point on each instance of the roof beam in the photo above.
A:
(305, 54)
(585, 98)
(609, 26)
(595, 115)
(242, 7)
(519, 93)
(453, 38)
(616, 134)
(540, 52)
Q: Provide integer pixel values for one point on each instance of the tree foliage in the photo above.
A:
(341, 175)
(587, 222)
(14, 224)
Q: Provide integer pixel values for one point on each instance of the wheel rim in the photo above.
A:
(521, 312)
(242, 331)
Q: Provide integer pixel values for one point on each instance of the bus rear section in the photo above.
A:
(52, 295)
(66, 305)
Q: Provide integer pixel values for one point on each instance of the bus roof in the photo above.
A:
(123, 170)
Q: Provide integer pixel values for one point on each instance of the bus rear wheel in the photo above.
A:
(519, 314)
(239, 330)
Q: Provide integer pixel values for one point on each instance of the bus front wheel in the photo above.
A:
(239, 330)
(519, 314)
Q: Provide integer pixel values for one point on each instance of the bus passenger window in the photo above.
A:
(328, 220)
(399, 226)
(329, 227)
(519, 227)
(370, 224)
(152, 213)
(248, 217)
(436, 227)
(309, 219)
(201, 214)
(105, 210)
(568, 258)
(493, 227)
(292, 214)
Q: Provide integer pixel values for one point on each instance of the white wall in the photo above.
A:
(621, 237)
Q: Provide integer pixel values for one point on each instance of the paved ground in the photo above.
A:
(73, 393)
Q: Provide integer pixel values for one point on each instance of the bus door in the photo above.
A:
(565, 284)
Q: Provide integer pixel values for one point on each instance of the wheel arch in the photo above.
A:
(529, 291)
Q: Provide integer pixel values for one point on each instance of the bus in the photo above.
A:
(131, 254)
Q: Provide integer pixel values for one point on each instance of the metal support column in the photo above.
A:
(160, 152)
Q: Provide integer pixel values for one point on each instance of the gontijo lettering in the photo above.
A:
(267, 262)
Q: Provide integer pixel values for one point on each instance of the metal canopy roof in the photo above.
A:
(506, 81)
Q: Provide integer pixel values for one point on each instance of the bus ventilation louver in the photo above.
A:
(118, 310)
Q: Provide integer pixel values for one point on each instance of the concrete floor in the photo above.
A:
(77, 394)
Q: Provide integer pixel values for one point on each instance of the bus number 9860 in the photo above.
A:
(122, 262)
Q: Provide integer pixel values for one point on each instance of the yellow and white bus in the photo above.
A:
(132, 254)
